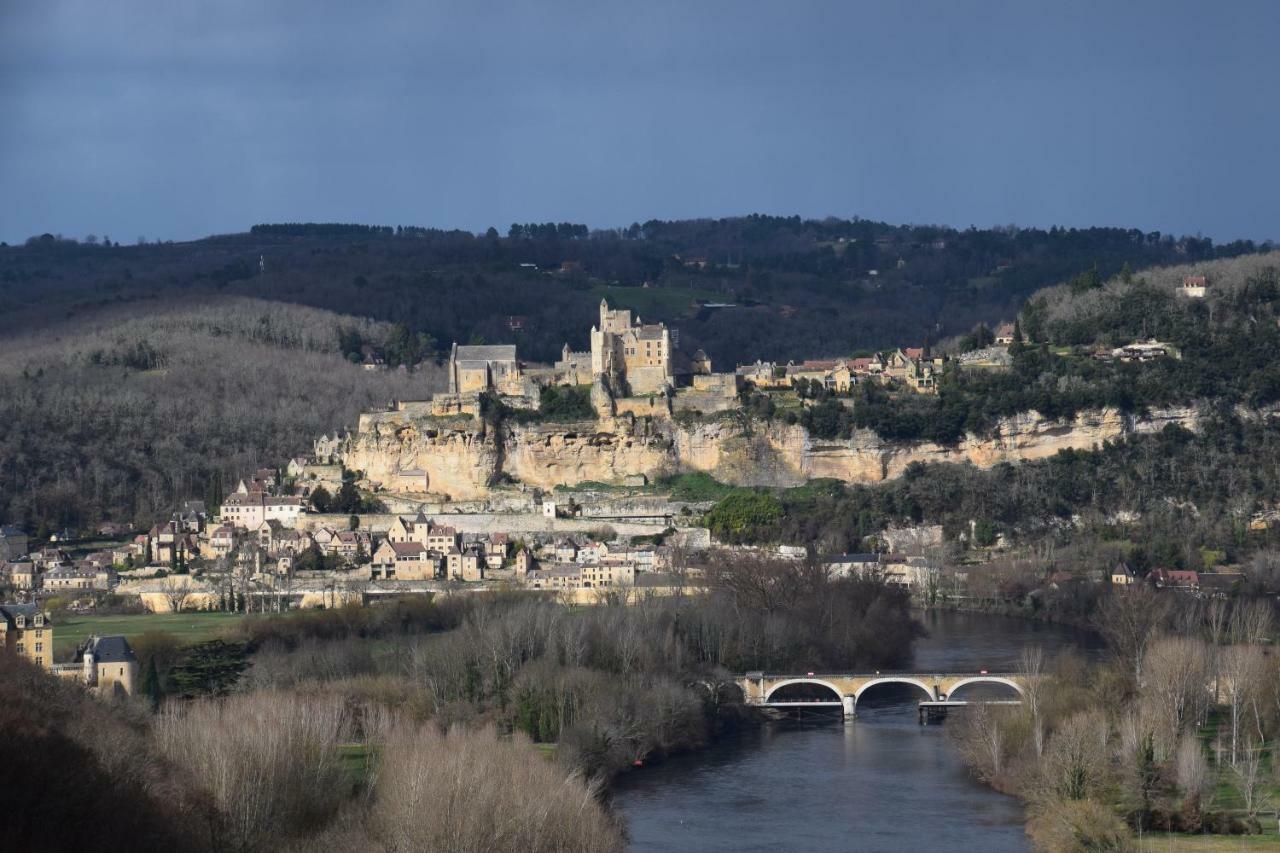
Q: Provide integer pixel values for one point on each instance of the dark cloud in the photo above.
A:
(181, 119)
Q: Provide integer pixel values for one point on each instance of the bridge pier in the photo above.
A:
(850, 704)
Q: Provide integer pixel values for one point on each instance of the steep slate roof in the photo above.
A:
(489, 352)
(10, 612)
(112, 649)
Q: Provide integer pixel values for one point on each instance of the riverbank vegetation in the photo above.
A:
(1175, 733)
(417, 724)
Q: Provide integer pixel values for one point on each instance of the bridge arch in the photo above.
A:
(838, 697)
(894, 679)
(988, 679)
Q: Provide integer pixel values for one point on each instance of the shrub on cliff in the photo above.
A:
(744, 516)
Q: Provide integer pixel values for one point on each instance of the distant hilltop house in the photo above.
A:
(1005, 333)
(1194, 287)
(1140, 351)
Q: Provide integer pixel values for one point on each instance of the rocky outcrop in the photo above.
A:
(462, 459)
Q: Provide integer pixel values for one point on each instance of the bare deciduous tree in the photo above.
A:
(1129, 619)
(1176, 680)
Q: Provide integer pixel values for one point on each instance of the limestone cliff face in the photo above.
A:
(462, 459)
(606, 451)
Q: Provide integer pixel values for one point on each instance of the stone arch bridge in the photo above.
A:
(844, 689)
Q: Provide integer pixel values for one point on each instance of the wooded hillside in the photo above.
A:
(120, 416)
(800, 288)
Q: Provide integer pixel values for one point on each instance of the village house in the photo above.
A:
(590, 552)
(423, 530)
(222, 541)
(1122, 575)
(324, 538)
(267, 534)
(1004, 334)
(565, 551)
(603, 576)
(404, 561)
(523, 563)
(23, 574)
(832, 374)
(248, 509)
(50, 558)
(350, 544)
(1174, 578)
(764, 374)
(913, 367)
(27, 631)
(13, 542)
(1140, 351)
(496, 548)
(106, 665)
(464, 565)
(292, 543)
(557, 578)
(1193, 287)
(910, 572)
(192, 517)
(67, 578)
(170, 544)
(853, 565)
(870, 366)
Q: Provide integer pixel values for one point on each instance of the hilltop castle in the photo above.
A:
(633, 358)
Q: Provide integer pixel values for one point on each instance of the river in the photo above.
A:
(880, 783)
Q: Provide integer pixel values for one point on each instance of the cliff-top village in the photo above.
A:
(586, 523)
(272, 545)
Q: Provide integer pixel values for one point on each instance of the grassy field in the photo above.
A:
(1208, 843)
(70, 630)
(654, 300)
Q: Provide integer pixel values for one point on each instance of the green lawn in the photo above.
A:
(70, 630)
(655, 300)
(1160, 843)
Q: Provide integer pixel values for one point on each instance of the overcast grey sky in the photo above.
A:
(179, 119)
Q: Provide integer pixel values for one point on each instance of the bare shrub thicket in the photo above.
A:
(469, 790)
(1125, 737)
(269, 760)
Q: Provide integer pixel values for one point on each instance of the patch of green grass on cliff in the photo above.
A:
(695, 486)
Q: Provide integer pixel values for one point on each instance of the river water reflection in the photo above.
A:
(880, 783)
